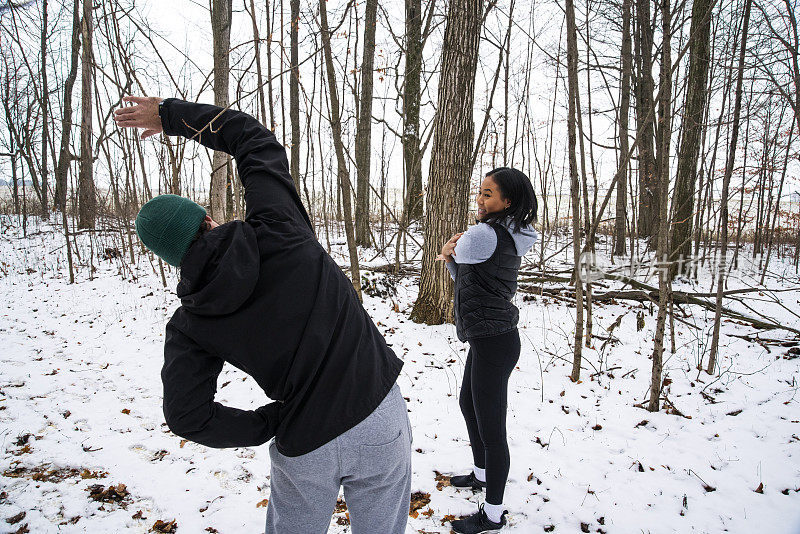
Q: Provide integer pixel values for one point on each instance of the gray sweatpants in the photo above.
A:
(372, 461)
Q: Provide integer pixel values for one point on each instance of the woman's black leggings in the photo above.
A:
(483, 400)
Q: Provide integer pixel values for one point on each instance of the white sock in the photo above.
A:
(480, 474)
(493, 511)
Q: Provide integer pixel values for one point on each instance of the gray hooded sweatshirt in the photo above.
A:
(479, 242)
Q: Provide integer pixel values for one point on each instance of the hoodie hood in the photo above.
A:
(220, 270)
(524, 237)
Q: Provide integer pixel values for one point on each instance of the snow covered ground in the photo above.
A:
(80, 414)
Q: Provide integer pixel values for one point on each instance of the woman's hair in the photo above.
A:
(205, 226)
(515, 187)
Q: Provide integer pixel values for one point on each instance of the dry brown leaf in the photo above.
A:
(165, 527)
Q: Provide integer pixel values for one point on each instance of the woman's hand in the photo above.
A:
(449, 248)
(143, 114)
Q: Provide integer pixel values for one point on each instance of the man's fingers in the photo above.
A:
(135, 99)
(126, 110)
(148, 133)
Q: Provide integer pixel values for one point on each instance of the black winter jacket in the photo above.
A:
(263, 295)
(483, 292)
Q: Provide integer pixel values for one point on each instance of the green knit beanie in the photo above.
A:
(167, 225)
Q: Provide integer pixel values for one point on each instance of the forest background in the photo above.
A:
(660, 136)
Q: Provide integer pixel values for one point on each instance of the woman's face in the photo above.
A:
(489, 199)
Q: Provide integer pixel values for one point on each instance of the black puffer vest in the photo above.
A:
(483, 292)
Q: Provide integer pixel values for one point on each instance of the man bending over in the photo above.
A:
(263, 295)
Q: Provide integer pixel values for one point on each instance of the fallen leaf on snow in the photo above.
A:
(419, 500)
(14, 519)
(164, 526)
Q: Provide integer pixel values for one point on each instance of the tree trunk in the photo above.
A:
(364, 131)
(342, 173)
(665, 134)
(451, 157)
(221, 33)
(692, 131)
(726, 180)
(14, 179)
(294, 94)
(648, 177)
(624, 107)
(86, 193)
(257, 52)
(575, 191)
(777, 204)
(64, 154)
(270, 90)
(412, 156)
(45, 105)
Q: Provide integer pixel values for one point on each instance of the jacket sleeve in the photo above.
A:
(452, 268)
(190, 376)
(260, 158)
(476, 245)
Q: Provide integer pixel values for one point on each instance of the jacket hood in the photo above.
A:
(220, 270)
(524, 237)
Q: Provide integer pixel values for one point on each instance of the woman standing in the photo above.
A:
(484, 262)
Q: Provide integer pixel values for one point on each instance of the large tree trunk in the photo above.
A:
(451, 158)
(364, 131)
(648, 177)
(575, 190)
(693, 130)
(412, 156)
(294, 94)
(341, 165)
(726, 180)
(86, 194)
(626, 60)
(664, 135)
(64, 154)
(221, 33)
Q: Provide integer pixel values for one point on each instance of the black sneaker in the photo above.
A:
(477, 523)
(467, 481)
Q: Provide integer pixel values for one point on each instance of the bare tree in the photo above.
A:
(722, 267)
(364, 129)
(86, 190)
(65, 152)
(257, 53)
(626, 60)
(44, 99)
(221, 33)
(294, 93)
(342, 172)
(412, 156)
(664, 137)
(648, 176)
(692, 131)
(572, 84)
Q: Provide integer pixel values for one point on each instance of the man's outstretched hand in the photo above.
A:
(142, 114)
